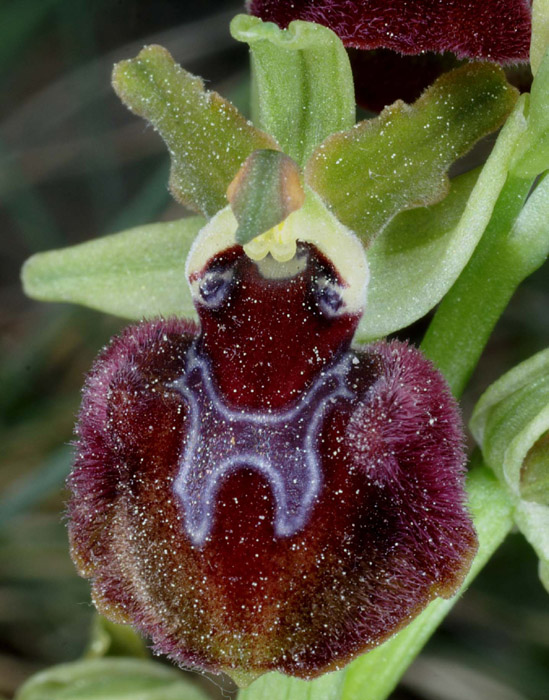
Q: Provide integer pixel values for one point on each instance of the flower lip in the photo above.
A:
(494, 30)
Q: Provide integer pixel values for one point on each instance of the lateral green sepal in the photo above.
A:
(134, 274)
(208, 139)
(399, 160)
(303, 82)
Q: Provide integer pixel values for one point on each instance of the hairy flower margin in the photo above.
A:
(190, 512)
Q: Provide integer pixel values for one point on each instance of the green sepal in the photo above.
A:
(532, 153)
(303, 83)
(208, 139)
(399, 160)
(134, 274)
(421, 253)
(266, 190)
(110, 679)
(511, 423)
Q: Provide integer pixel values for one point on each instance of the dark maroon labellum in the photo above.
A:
(258, 495)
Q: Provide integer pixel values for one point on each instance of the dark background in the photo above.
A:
(75, 165)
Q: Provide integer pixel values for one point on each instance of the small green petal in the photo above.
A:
(110, 679)
(208, 139)
(399, 160)
(134, 274)
(302, 81)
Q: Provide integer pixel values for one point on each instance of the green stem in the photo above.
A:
(468, 313)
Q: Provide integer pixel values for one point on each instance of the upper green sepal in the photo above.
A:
(134, 274)
(303, 84)
(399, 160)
(266, 190)
(208, 139)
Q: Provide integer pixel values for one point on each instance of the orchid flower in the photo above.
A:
(268, 489)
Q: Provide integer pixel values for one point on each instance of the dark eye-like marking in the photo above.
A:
(215, 286)
(329, 296)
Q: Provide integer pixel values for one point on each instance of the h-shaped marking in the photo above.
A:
(280, 444)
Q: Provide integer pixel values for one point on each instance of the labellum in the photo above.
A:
(257, 493)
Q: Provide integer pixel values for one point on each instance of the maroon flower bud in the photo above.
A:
(494, 30)
(257, 494)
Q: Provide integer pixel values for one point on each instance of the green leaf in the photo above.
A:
(111, 639)
(511, 423)
(273, 686)
(422, 252)
(540, 33)
(533, 521)
(302, 81)
(110, 679)
(399, 160)
(532, 154)
(374, 675)
(134, 274)
(265, 192)
(208, 139)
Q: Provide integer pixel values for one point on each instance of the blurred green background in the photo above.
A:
(75, 165)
